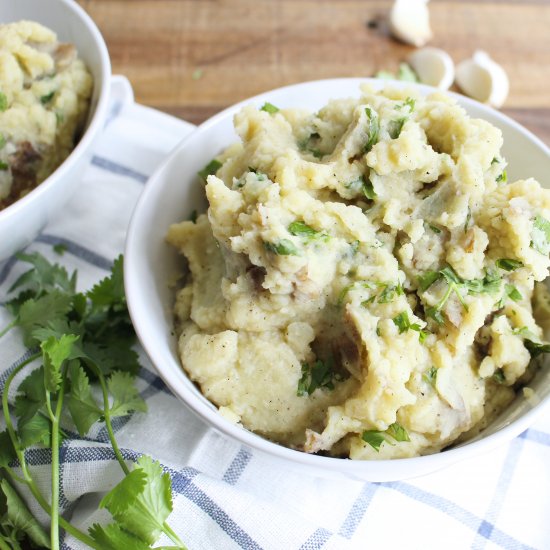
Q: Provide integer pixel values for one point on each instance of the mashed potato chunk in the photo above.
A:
(361, 285)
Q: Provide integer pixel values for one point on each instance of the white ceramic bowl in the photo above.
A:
(24, 219)
(171, 195)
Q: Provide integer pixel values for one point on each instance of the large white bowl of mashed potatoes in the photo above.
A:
(356, 286)
(54, 88)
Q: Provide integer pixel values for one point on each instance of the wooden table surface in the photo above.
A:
(192, 58)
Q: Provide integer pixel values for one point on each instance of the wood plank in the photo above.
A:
(245, 47)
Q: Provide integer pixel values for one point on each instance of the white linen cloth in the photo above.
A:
(226, 497)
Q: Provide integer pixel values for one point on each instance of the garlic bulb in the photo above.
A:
(433, 67)
(483, 79)
(410, 21)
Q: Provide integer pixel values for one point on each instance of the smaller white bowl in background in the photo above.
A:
(174, 191)
(24, 219)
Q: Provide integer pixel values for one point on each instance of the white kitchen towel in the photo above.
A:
(226, 497)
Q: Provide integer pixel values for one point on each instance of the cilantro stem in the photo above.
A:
(54, 526)
(108, 425)
(168, 530)
(7, 328)
(28, 480)
(107, 414)
(14, 476)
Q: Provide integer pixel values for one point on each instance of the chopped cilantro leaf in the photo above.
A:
(269, 108)
(468, 218)
(495, 160)
(540, 235)
(390, 292)
(499, 377)
(395, 127)
(317, 375)
(374, 438)
(368, 190)
(210, 169)
(3, 166)
(301, 229)
(403, 323)
(430, 376)
(45, 99)
(3, 102)
(502, 177)
(434, 228)
(508, 264)
(536, 348)
(398, 432)
(283, 248)
(428, 279)
(373, 129)
(513, 293)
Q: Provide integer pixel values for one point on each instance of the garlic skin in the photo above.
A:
(483, 79)
(433, 67)
(410, 22)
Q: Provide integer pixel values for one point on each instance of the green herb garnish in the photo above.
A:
(434, 228)
(403, 323)
(301, 229)
(3, 102)
(193, 216)
(468, 218)
(45, 99)
(319, 374)
(502, 177)
(374, 438)
(536, 348)
(210, 169)
(508, 264)
(373, 129)
(395, 127)
(398, 432)
(269, 108)
(368, 189)
(3, 166)
(499, 377)
(540, 235)
(282, 248)
(513, 293)
(3, 141)
(390, 292)
(82, 339)
(430, 376)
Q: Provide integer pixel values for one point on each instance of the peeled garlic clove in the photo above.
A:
(483, 79)
(410, 21)
(433, 67)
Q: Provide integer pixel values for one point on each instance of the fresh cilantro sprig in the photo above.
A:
(490, 284)
(81, 339)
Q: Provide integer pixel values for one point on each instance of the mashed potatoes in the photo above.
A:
(44, 100)
(362, 283)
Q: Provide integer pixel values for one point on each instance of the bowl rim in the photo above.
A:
(94, 126)
(373, 470)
